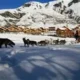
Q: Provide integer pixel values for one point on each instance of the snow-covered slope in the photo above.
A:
(36, 14)
(72, 9)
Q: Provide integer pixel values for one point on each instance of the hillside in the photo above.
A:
(36, 14)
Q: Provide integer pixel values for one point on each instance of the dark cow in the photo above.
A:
(29, 42)
(6, 42)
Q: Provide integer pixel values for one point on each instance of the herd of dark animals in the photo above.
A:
(42, 42)
(27, 42)
(30, 42)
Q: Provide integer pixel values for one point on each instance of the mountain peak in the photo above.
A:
(36, 14)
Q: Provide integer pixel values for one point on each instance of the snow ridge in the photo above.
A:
(36, 14)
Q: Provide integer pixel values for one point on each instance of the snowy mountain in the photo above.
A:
(36, 14)
(70, 8)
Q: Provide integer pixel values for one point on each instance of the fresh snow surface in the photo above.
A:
(2, 21)
(52, 62)
(10, 10)
(76, 9)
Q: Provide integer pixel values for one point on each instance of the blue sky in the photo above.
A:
(5, 4)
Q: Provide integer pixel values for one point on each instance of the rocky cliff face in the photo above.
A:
(36, 14)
